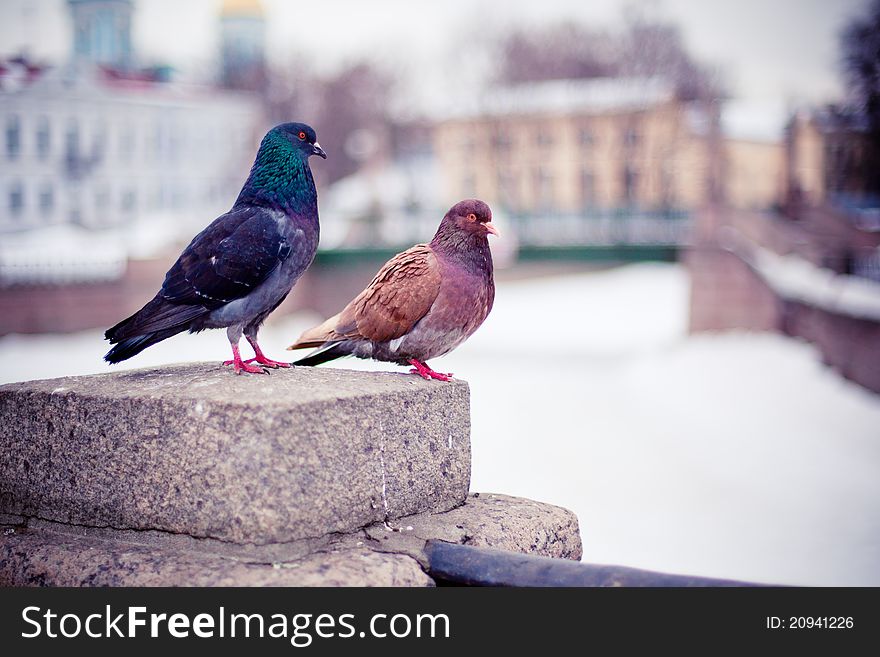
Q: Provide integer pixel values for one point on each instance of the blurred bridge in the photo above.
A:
(60, 280)
(618, 235)
(614, 235)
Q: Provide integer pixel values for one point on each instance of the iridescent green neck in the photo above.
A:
(281, 179)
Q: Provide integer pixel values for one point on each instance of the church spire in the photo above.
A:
(102, 32)
(243, 43)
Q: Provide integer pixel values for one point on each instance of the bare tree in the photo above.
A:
(651, 47)
(354, 106)
(644, 47)
(860, 44)
(348, 108)
(563, 50)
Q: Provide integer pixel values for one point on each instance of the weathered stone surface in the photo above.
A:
(41, 558)
(508, 523)
(43, 553)
(489, 520)
(195, 450)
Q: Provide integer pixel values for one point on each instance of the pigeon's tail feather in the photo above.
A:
(129, 347)
(156, 321)
(318, 336)
(158, 315)
(330, 351)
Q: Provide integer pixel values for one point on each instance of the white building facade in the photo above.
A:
(94, 151)
(99, 154)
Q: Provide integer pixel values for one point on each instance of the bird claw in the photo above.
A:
(268, 362)
(427, 373)
(440, 376)
(250, 369)
(243, 366)
(264, 362)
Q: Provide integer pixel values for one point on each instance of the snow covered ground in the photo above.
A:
(733, 455)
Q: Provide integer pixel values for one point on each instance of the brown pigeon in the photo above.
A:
(422, 304)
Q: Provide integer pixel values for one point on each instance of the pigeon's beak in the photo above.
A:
(490, 228)
(317, 150)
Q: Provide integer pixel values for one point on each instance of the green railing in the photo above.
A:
(618, 234)
(617, 227)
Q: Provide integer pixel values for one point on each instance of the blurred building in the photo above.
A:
(86, 147)
(807, 265)
(825, 156)
(619, 147)
(102, 32)
(96, 144)
(752, 172)
(580, 146)
(106, 168)
(243, 45)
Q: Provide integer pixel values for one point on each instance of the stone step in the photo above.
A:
(196, 451)
(37, 552)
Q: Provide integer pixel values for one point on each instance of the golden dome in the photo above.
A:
(242, 8)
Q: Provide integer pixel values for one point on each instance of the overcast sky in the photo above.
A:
(774, 51)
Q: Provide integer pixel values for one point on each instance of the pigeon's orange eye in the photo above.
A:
(302, 135)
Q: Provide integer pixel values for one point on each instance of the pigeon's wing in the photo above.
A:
(399, 296)
(227, 260)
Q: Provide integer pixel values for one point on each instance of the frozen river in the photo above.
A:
(733, 455)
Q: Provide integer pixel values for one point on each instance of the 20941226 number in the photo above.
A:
(821, 622)
(809, 622)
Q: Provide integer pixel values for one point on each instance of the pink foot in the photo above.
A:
(426, 372)
(242, 366)
(268, 362)
(262, 359)
(250, 369)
